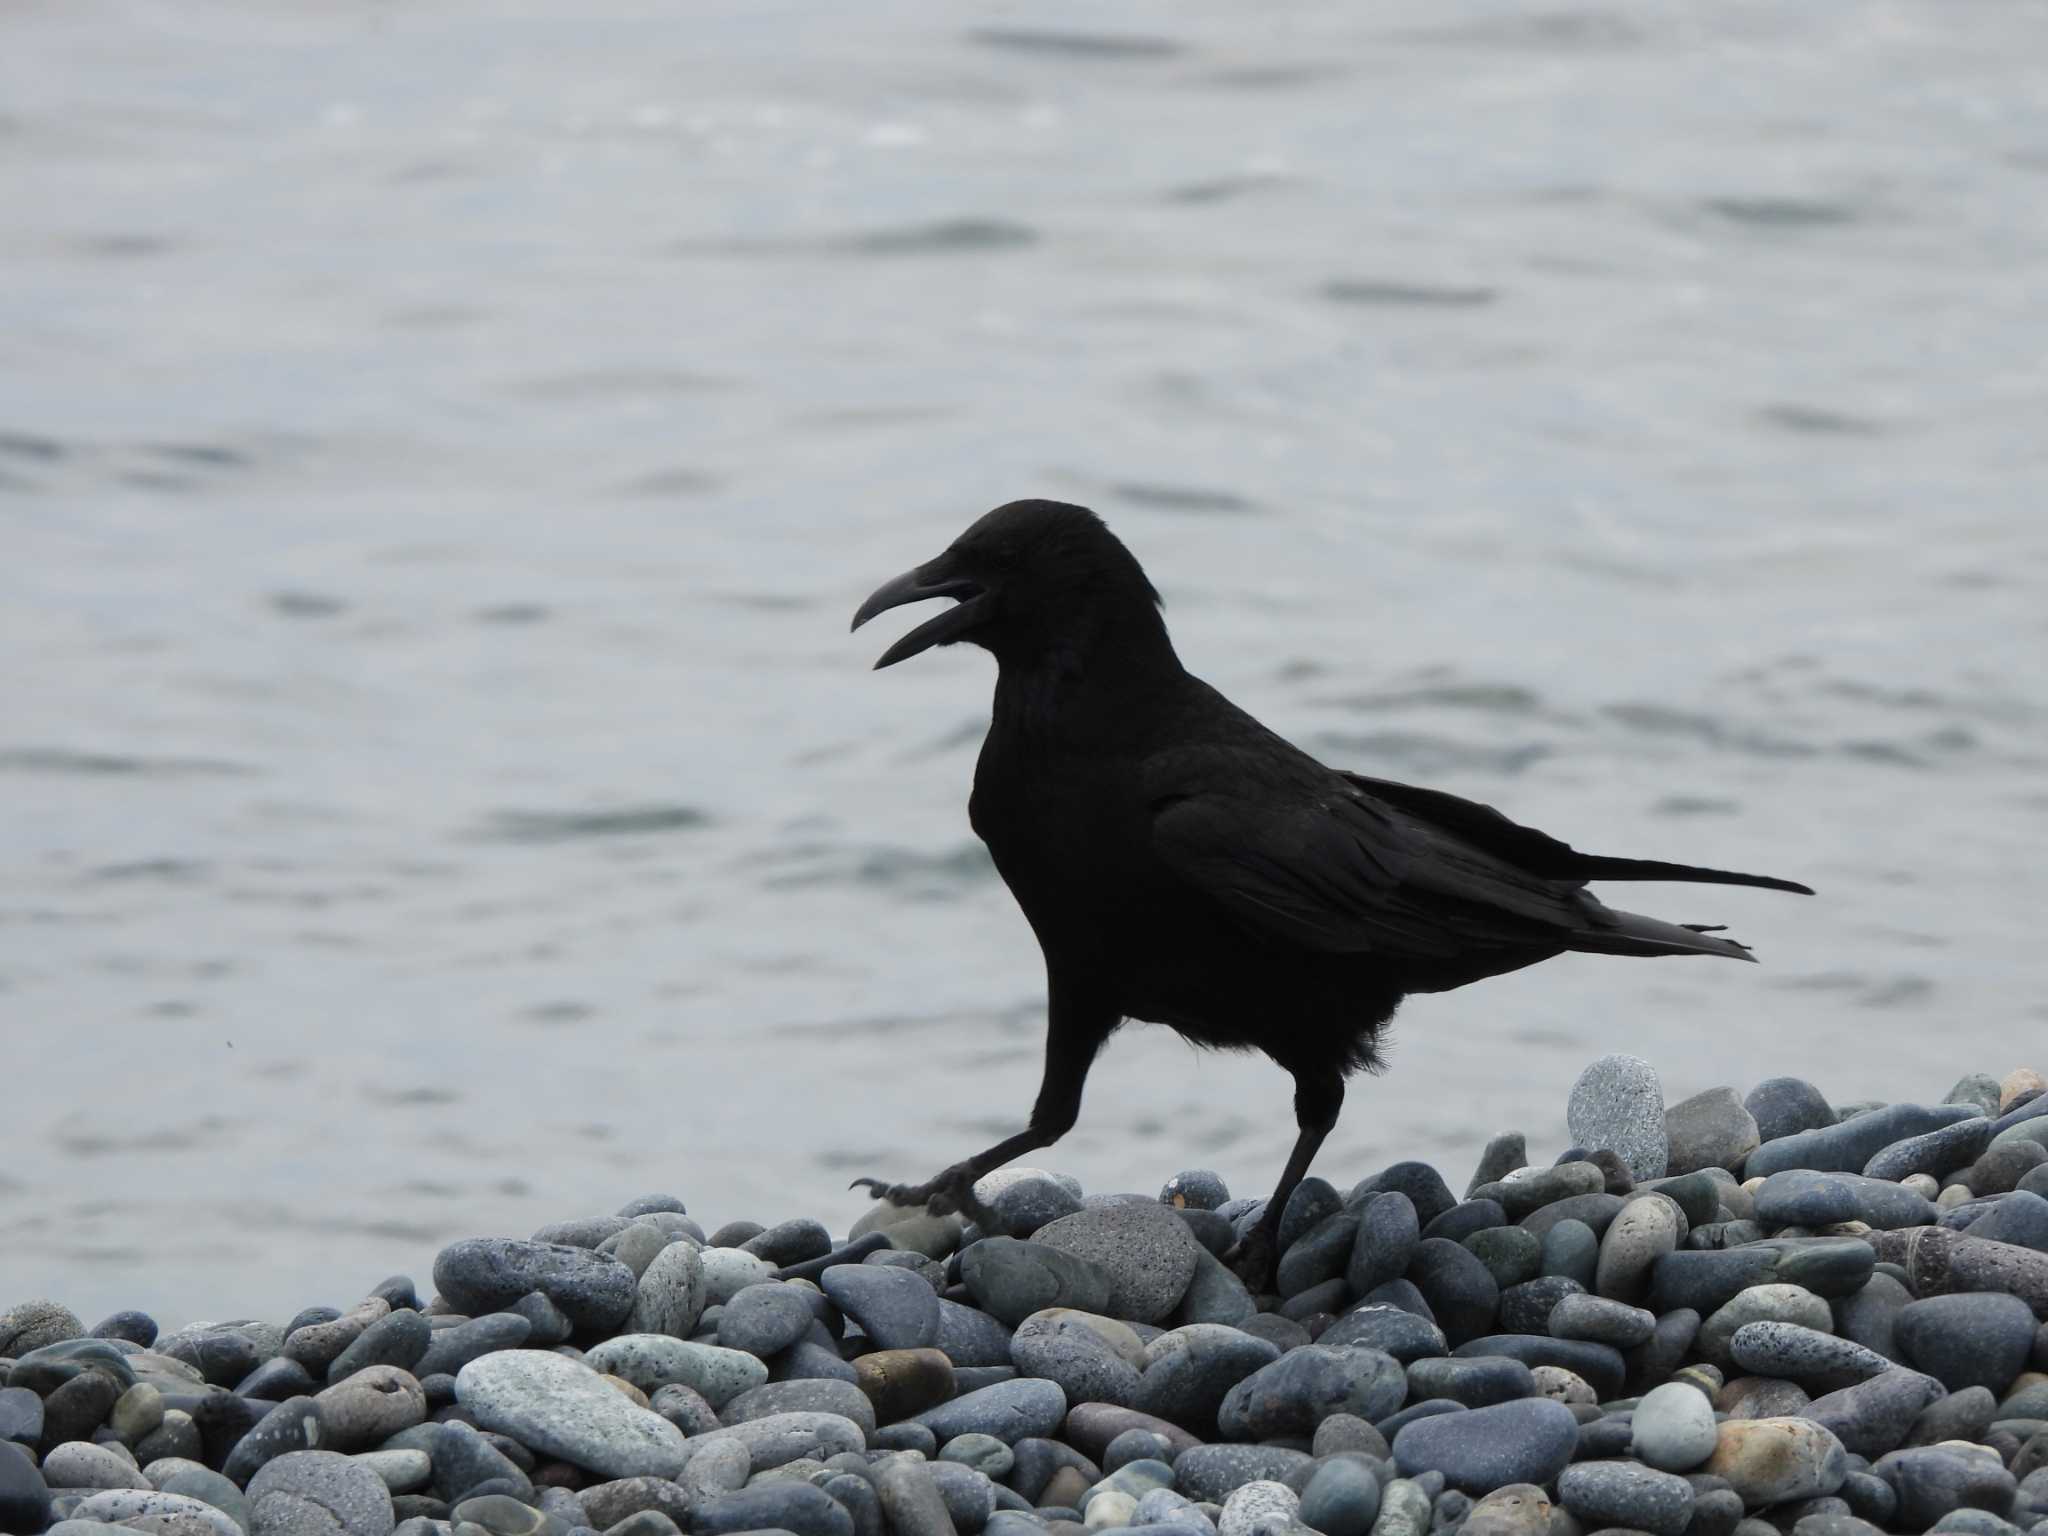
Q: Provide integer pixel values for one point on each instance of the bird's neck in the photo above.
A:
(1088, 684)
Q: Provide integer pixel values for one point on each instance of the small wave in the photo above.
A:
(1818, 421)
(1224, 189)
(1075, 45)
(943, 236)
(306, 605)
(1183, 498)
(1782, 212)
(62, 760)
(570, 826)
(31, 445)
(909, 871)
(1395, 294)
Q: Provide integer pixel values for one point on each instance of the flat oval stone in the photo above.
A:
(1601, 1321)
(903, 1382)
(1011, 1278)
(1009, 1410)
(485, 1274)
(562, 1407)
(169, 1514)
(1646, 1229)
(894, 1307)
(1620, 1493)
(1760, 1303)
(1711, 1129)
(354, 1497)
(1093, 1359)
(1847, 1146)
(784, 1503)
(651, 1361)
(1529, 1441)
(1390, 1330)
(1305, 1386)
(1600, 1364)
(1342, 1497)
(1210, 1473)
(1803, 1354)
(1773, 1461)
(1475, 1381)
(780, 1438)
(1873, 1416)
(81, 1464)
(1785, 1106)
(767, 1318)
(811, 1395)
(669, 1297)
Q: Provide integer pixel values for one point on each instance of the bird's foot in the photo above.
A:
(1252, 1257)
(945, 1193)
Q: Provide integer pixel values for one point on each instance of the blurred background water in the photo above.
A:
(441, 446)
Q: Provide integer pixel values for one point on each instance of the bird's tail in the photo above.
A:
(1630, 933)
(1593, 867)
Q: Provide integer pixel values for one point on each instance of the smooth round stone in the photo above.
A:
(450, 1349)
(21, 1416)
(1931, 1480)
(1209, 1473)
(651, 1361)
(790, 1242)
(969, 1337)
(370, 1406)
(1673, 1428)
(1618, 1104)
(81, 1464)
(765, 1319)
(1773, 1461)
(1968, 1339)
(1529, 1441)
(670, 1294)
(1759, 1304)
(24, 1496)
(1526, 1308)
(903, 1382)
(1201, 1189)
(1601, 1321)
(786, 1504)
(1620, 1493)
(1476, 1382)
(1562, 1386)
(1306, 1385)
(1520, 1509)
(728, 1271)
(636, 1248)
(484, 1274)
(1511, 1254)
(1785, 1106)
(137, 1413)
(1461, 1294)
(911, 1499)
(1094, 1359)
(1024, 1199)
(395, 1339)
(563, 1408)
(354, 1497)
(985, 1453)
(1189, 1371)
(32, 1325)
(1011, 1278)
(1709, 1130)
(1467, 1217)
(1874, 1416)
(1936, 1153)
(894, 1307)
(168, 1514)
(1389, 1227)
(1390, 1330)
(133, 1327)
(1248, 1508)
(811, 1395)
(1009, 1410)
(1092, 1427)
(1341, 1498)
(1148, 1253)
(1646, 1229)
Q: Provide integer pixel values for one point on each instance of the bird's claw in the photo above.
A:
(948, 1192)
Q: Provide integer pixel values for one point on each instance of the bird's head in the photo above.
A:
(1030, 578)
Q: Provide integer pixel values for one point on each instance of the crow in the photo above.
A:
(1182, 865)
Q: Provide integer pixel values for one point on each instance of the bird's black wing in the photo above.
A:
(1307, 856)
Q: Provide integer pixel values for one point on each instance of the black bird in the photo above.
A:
(1184, 866)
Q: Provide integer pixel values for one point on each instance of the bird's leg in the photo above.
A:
(1318, 1096)
(1070, 1047)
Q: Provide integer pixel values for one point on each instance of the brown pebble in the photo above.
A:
(625, 1389)
(902, 1382)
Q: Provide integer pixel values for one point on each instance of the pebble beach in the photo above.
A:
(1751, 1312)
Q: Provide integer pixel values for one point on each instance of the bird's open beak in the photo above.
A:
(932, 579)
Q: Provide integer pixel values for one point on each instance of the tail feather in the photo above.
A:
(1630, 933)
(1594, 867)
